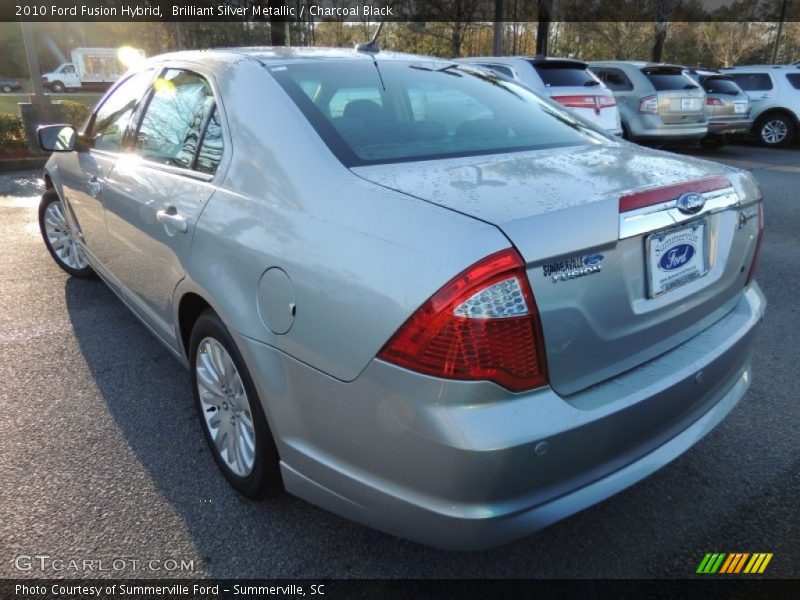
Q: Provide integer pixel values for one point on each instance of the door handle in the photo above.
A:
(171, 218)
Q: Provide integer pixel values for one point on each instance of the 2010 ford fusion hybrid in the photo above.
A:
(408, 290)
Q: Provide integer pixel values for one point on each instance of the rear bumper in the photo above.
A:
(729, 126)
(652, 128)
(468, 465)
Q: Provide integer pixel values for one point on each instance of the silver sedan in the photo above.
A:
(407, 290)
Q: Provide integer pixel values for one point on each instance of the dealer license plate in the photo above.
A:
(675, 257)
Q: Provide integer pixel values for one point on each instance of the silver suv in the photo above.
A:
(657, 102)
(568, 82)
(727, 106)
(774, 93)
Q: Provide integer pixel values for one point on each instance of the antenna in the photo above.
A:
(372, 45)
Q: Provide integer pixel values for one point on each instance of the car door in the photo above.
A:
(158, 190)
(759, 87)
(84, 172)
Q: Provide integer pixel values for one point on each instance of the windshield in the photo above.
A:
(669, 79)
(419, 111)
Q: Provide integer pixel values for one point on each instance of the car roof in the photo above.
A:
(639, 64)
(531, 59)
(792, 67)
(283, 54)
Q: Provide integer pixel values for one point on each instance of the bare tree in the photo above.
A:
(728, 43)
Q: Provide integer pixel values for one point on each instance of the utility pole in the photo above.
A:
(32, 55)
(497, 48)
(780, 32)
(38, 110)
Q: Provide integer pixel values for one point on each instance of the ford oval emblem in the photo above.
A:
(593, 259)
(676, 257)
(691, 203)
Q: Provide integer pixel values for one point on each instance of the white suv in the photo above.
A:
(774, 92)
(568, 82)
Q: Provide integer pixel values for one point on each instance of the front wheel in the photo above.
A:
(7, 89)
(60, 238)
(56, 87)
(776, 130)
(230, 411)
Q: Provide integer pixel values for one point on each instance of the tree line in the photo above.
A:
(712, 44)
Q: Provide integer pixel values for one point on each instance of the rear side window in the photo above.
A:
(721, 85)
(175, 118)
(560, 74)
(669, 80)
(111, 119)
(615, 79)
(753, 82)
(794, 79)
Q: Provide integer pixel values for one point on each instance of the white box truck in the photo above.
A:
(91, 69)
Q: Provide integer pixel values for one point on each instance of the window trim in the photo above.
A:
(89, 125)
(224, 160)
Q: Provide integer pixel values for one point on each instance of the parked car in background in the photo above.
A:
(774, 92)
(727, 106)
(91, 69)
(568, 82)
(8, 85)
(657, 102)
(479, 316)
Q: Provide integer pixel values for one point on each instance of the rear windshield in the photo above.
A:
(721, 85)
(559, 74)
(669, 79)
(418, 111)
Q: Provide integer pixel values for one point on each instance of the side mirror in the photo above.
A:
(57, 138)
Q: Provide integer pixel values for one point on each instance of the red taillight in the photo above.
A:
(649, 105)
(483, 324)
(713, 101)
(576, 101)
(757, 254)
(606, 101)
(588, 101)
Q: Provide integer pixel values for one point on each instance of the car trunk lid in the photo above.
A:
(589, 258)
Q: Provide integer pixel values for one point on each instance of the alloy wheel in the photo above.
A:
(226, 407)
(61, 238)
(774, 131)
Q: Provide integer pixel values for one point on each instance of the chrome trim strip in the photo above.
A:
(666, 214)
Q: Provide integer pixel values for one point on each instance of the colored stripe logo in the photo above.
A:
(734, 562)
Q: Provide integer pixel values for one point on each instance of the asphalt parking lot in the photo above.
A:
(102, 456)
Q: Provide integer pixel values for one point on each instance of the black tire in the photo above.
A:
(48, 198)
(773, 122)
(626, 135)
(56, 87)
(264, 479)
(7, 89)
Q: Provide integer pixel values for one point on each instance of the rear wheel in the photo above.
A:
(230, 411)
(60, 238)
(775, 129)
(7, 89)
